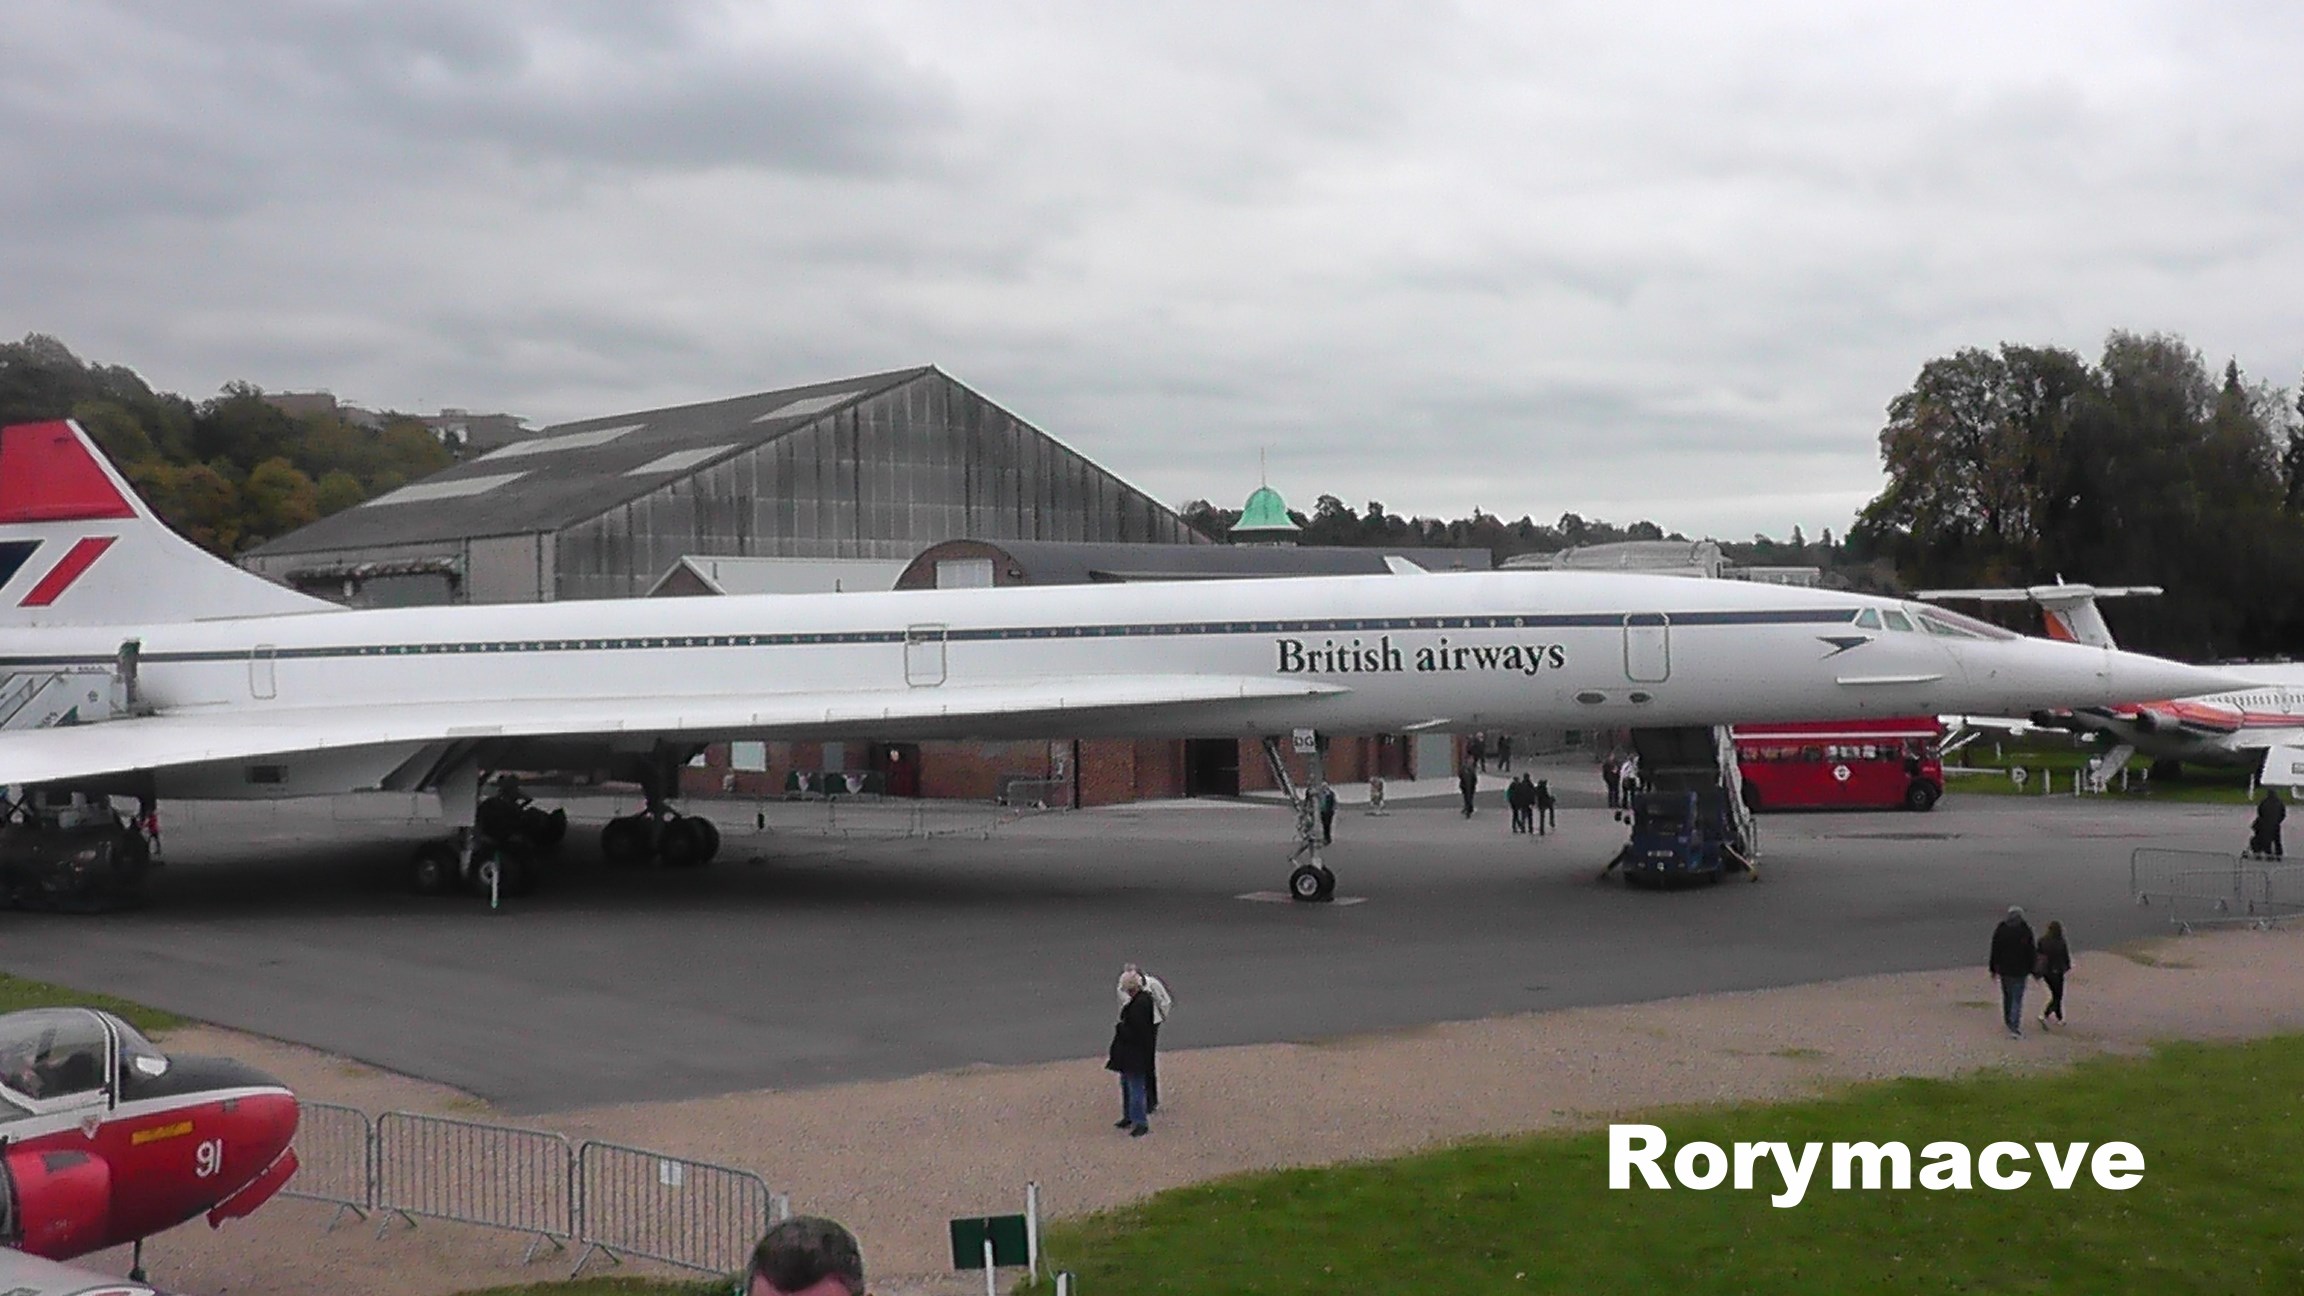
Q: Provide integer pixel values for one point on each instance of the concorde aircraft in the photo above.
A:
(133, 663)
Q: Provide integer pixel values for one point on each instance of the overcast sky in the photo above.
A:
(1667, 261)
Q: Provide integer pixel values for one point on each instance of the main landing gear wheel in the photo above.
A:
(687, 842)
(1310, 883)
(432, 869)
(626, 840)
(501, 872)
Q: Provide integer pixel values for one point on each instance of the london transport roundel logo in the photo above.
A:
(1840, 773)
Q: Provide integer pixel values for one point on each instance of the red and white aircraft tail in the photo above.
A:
(77, 547)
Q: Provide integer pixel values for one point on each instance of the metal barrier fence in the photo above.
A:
(494, 1176)
(335, 1159)
(2199, 888)
(691, 1214)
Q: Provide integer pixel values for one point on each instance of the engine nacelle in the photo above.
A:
(63, 1201)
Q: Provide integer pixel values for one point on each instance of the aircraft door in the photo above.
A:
(924, 655)
(262, 682)
(1647, 647)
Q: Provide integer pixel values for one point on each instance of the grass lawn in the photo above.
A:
(2043, 755)
(17, 993)
(2217, 1210)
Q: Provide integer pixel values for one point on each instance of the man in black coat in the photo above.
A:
(1520, 794)
(1468, 783)
(2013, 953)
(1131, 1056)
(2271, 812)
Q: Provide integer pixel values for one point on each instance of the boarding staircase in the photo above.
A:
(2108, 767)
(39, 699)
(1703, 761)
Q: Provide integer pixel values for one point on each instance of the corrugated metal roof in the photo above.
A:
(1061, 562)
(574, 471)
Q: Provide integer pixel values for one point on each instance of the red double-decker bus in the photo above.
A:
(1842, 764)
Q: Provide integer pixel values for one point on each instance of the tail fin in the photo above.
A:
(77, 547)
(2069, 610)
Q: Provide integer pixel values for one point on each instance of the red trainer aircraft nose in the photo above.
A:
(108, 1140)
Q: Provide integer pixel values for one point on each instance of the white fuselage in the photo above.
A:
(1496, 650)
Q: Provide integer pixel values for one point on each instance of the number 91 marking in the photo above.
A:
(208, 1158)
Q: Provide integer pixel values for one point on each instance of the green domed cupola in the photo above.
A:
(1265, 520)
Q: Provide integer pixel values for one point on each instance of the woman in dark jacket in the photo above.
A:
(2055, 959)
(1132, 1055)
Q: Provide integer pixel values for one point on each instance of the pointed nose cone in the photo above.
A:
(2135, 677)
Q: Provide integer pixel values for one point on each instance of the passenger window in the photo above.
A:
(1868, 619)
(1897, 620)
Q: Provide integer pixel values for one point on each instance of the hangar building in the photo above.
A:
(874, 467)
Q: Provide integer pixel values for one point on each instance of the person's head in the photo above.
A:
(2055, 930)
(1131, 981)
(2015, 914)
(806, 1256)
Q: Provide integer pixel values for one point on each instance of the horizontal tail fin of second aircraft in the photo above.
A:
(77, 547)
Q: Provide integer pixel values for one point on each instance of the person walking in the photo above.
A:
(1162, 1003)
(2050, 962)
(1476, 751)
(1547, 808)
(1628, 780)
(1468, 783)
(1131, 1054)
(2271, 812)
(1504, 752)
(1611, 773)
(2013, 958)
(1521, 796)
(1327, 814)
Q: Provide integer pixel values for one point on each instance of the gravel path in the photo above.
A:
(895, 1159)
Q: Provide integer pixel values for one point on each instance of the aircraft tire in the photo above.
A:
(1921, 796)
(683, 843)
(517, 877)
(1305, 883)
(709, 833)
(625, 841)
(1327, 883)
(546, 830)
(432, 869)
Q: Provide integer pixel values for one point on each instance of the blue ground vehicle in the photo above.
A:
(1679, 837)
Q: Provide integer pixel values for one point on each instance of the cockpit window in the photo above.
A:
(1945, 621)
(1868, 619)
(1896, 620)
(52, 1053)
(140, 1055)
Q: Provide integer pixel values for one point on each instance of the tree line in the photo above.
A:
(2019, 465)
(227, 473)
(2014, 465)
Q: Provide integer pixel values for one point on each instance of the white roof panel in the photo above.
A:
(565, 441)
(807, 405)
(440, 490)
(678, 460)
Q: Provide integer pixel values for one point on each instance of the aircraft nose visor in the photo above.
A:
(2136, 677)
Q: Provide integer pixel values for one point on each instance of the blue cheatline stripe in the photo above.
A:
(827, 638)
